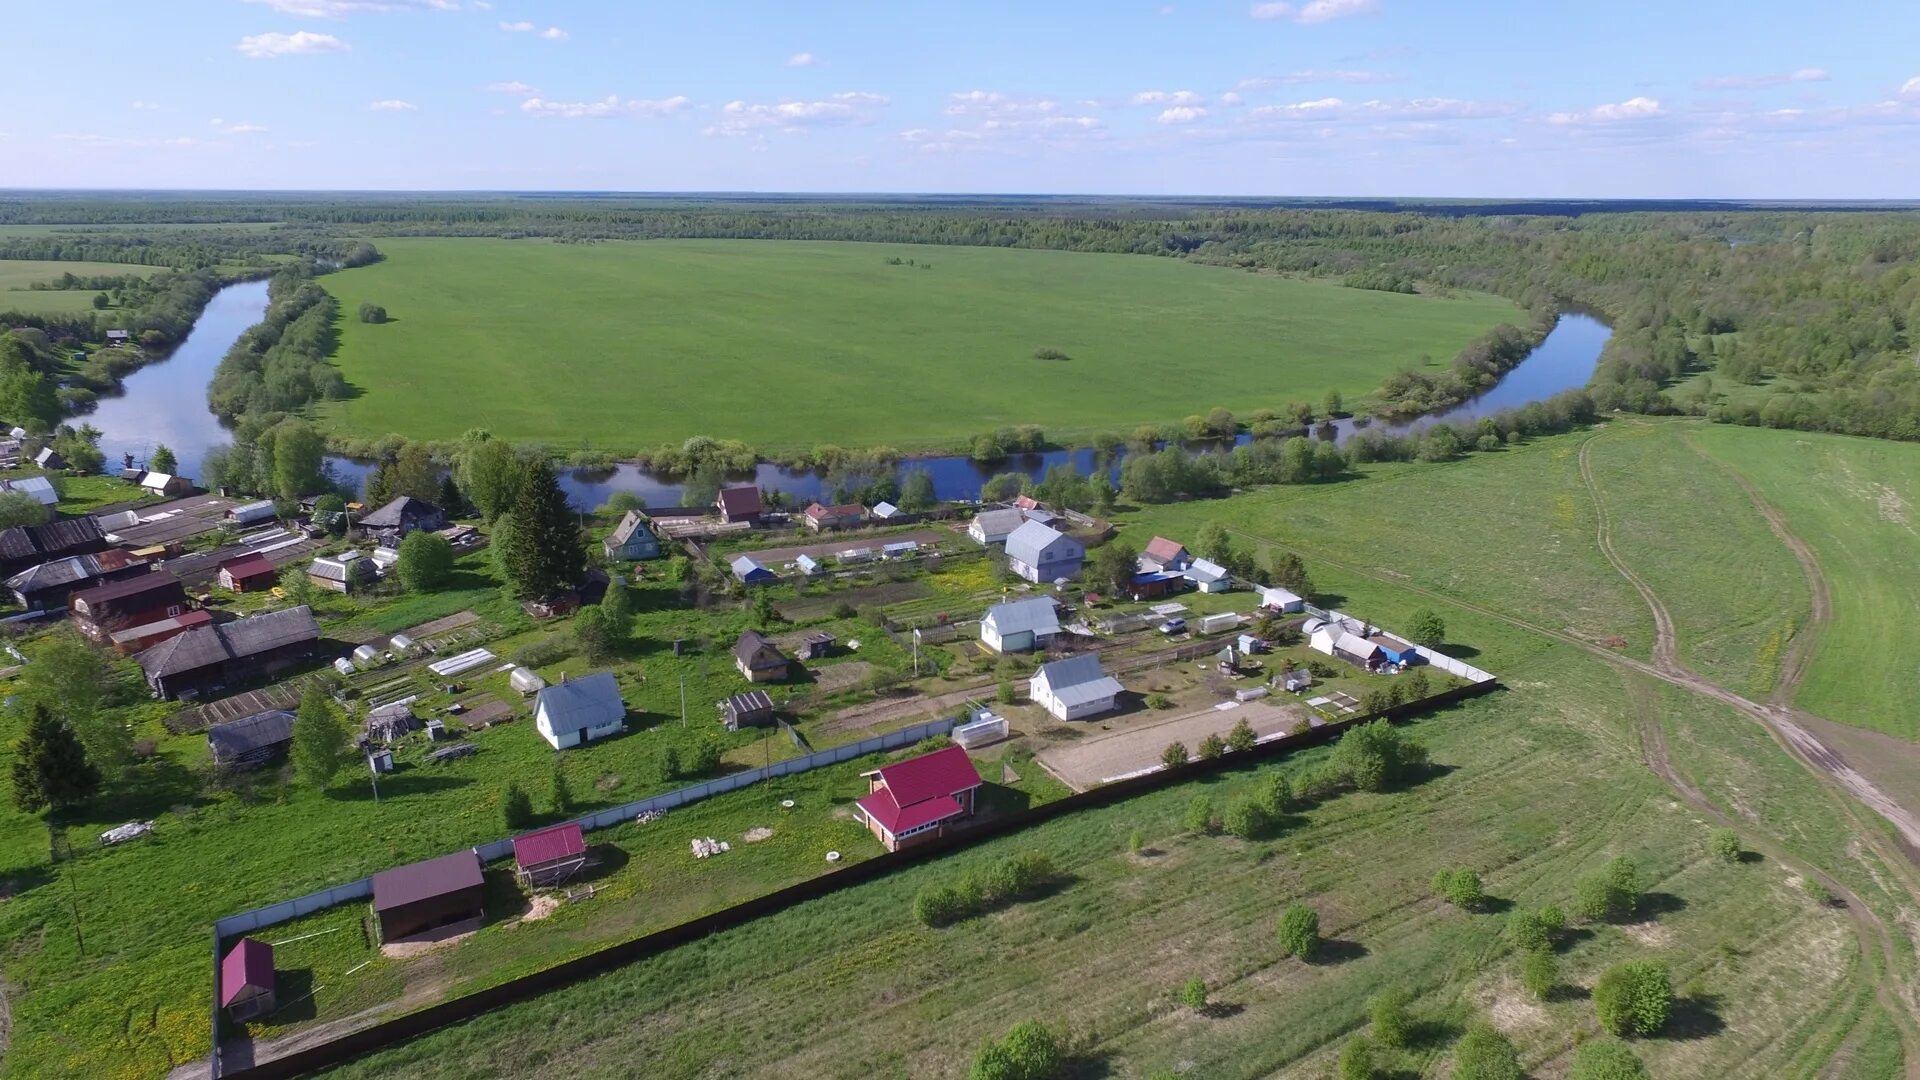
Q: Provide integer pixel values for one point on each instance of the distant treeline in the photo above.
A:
(191, 249)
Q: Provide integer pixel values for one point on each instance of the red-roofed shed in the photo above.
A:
(551, 855)
(246, 980)
(248, 573)
(913, 800)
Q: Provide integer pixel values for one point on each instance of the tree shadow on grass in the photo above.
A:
(396, 785)
(1566, 992)
(146, 790)
(1694, 1017)
(1750, 858)
(1565, 940)
(1334, 951)
(1655, 904)
(1493, 905)
(1222, 1010)
(1458, 652)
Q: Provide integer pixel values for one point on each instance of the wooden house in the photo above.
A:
(824, 518)
(754, 708)
(223, 654)
(633, 539)
(1074, 688)
(573, 712)
(248, 573)
(103, 610)
(915, 800)
(758, 658)
(251, 740)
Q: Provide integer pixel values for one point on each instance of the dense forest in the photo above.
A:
(1805, 317)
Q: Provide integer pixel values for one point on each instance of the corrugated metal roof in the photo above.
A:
(250, 733)
(577, 704)
(947, 771)
(205, 645)
(1203, 570)
(549, 845)
(1028, 542)
(1078, 680)
(999, 522)
(250, 963)
(1037, 615)
(404, 885)
(740, 500)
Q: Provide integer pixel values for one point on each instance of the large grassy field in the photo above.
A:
(17, 276)
(787, 345)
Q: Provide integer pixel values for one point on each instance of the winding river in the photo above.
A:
(166, 402)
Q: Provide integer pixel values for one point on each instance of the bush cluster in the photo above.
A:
(1008, 881)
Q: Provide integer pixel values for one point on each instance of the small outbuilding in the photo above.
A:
(817, 645)
(246, 980)
(1281, 600)
(526, 680)
(754, 708)
(887, 513)
(392, 721)
(47, 458)
(1020, 626)
(574, 712)
(39, 488)
(165, 484)
(253, 513)
(749, 572)
(758, 659)
(251, 740)
(248, 573)
(1209, 577)
(806, 564)
(442, 894)
(550, 856)
(345, 573)
(1074, 688)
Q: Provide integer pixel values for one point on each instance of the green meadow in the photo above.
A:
(788, 345)
(17, 277)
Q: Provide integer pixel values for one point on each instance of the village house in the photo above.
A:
(994, 526)
(30, 545)
(1343, 639)
(165, 484)
(1020, 626)
(749, 572)
(1209, 577)
(752, 708)
(888, 514)
(100, 611)
(224, 654)
(739, 504)
(249, 573)
(1041, 554)
(39, 488)
(758, 658)
(913, 801)
(48, 585)
(823, 518)
(49, 459)
(550, 856)
(401, 516)
(1074, 688)
(1164, 554)
(251, 740)
(246, 980)
(345, 573)
(443, 894)
(1281, 600)
(117, 338)
(633, 539)
(573, 712)
(146, 635)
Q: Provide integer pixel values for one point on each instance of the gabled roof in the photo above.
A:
(897, 819)
(1020, 616)
(806, 562)
(205, 645)
(735, 501)
(751, 701)
(55, 538)
(817, 512)
(585, 702)
(398, 512)
(410, 884)
(562, 841)
(250, 733)
(157, 583)
(999, 522)
(1027, 542)
(156, 481)
(53, 574)
(945, 772)
(352, 564)
(742, 566)
(39, 487)
(1164, 550)
(1027, 502)
(756, 649)
(884, 509)
(1273, 594)
(1203, 570)
(247, 566)
(1355, 645)
(633, 521)
(250, 963)
(1078, 679)
(186, 620)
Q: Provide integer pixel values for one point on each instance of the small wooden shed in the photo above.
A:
(246, 980)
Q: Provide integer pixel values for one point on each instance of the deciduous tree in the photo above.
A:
(426, 561)
(1299, 931)
(162, 460)
(1485, 1054)
(1633, 998)
(319, 741)
(1387, 1010)
(1426, 627)
(18, 508)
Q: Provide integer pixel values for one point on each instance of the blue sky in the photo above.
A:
(1311, 97)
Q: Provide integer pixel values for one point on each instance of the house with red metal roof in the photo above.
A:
(551, 855)
(739, 503)
(821, 518)
(1165, 554)
(914, 800)
(246, 980)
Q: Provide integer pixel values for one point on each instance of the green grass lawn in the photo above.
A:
(1535, 790)
(1736, 595)
(18, 275)
(787, 345)
(1857, 503)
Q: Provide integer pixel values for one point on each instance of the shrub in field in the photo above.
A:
(1485, 1054)
(1299, 930)
(1194, 994)
(1020, 877)
(1030, 1051)
(1633, 998)
(1356, 1059)
(1318, 783)
(1725, 845)
(1461, 888)
(1388, 1012)
(1376, 755)
(1609, 896)
(1212, 747)
(1199, 817)
(1540, 973)
(1247, 819)
(1536, 929)
(1174, 756)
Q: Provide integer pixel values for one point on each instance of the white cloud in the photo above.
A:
(299, 43)
(1314, 11)
(1231, 99)
(1003, 133)
(994, 103)
(1166, 97)
(1182, 114)
(1412, 109)
(1911, 86)
(1639, 108)
(554, 33)
(1761, 82)
(515, 87)
(610, 106)
(517, 27)
(392, 105)
(235, 128)
(847, 107)
(1315, 75)
(145, 106)
(340, 9)
(802, 59)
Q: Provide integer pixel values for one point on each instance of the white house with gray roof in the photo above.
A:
(994, 526)
(1074, 688)
(1020, 626)
(577, 711)
(1041, 554)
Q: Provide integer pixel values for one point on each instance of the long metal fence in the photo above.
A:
(334, 895)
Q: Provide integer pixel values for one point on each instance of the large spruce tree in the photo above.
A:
(50, 768)
(542, 555)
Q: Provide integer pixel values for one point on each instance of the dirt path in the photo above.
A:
(1664, 642)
